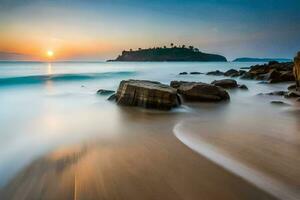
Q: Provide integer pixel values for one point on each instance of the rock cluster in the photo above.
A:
(152, 94)
(273, 72)
(230, 73)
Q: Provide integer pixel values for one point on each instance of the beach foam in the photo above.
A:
(261, 180)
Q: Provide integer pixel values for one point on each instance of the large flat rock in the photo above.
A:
(147, 94)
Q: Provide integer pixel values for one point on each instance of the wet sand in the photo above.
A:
(146, 162)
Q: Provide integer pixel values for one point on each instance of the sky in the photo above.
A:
(101, 29)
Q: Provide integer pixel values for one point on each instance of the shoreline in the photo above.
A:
(224, 159)
(138, 165)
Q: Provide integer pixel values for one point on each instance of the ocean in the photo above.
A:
(46, 106)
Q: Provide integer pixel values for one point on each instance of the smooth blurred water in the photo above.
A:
(48, 105)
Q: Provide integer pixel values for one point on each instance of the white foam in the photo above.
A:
(260, 179)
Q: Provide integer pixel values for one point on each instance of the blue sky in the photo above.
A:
(101, 29)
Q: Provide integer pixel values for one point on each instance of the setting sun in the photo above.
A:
(50, 53)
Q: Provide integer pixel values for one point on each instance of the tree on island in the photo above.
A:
(172, 44)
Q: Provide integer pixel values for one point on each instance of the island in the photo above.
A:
(247, 59)
(173, 53)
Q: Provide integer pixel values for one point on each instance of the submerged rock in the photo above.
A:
(105, 92)
(147, 94)
(225, 83)
(279, 103)
(195, 73)
(278, 93)
(183, 73)
(197, 91)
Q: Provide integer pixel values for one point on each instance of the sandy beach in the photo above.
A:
(146, 162)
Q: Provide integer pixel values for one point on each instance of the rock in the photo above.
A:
(147, 94)
(247, 75)
(215, 73)
(242, 72)
(225, 83)
(105, 92)
(183, 73)
(274, 72)
(177, 84)
(292, 87)
(245, 68)
(195, 73)
(263, 82)
(273, 76)
(298, 99)
(112, 97)
(273, 62)
(296, 70)
(243, 87)
(232, 73)
(287, 76)
(292, 94)
(203, 92)
(278, 93)
(278, 102)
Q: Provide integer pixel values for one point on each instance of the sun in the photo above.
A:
(50, 53)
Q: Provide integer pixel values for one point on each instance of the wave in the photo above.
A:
(37, 79)
(258, 178)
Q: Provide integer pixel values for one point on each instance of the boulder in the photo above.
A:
(215, 73)
(197, 91)
(225, 83)
(232, 73)
(147, 94)
(105, 92)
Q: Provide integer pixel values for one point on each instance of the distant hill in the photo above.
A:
(261, 59)
(168, 54)
(11, 56)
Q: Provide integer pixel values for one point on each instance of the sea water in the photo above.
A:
(44, 106)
